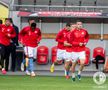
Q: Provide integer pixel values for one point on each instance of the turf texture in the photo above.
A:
(48, 83)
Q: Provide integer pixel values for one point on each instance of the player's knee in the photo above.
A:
(65, 65)
(56, 62)
(82, 62)
(73, 69)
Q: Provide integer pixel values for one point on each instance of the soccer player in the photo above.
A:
(61, 48)
(68, 62)
(30, 37)
(7, 32)
(79, 38)
(1, 22)
(23, 64)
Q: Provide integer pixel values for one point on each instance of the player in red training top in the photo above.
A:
(30, 37)
(7, 32)
(68, 54)
(79, 38)
(61, 47)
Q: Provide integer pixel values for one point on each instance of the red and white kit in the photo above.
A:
(60, 38)
(68, 54)
(30, 40)
(77, 37)
(6, 34)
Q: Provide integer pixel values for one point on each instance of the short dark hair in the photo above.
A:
(33, 25)
(68, 24)
(78, 21)
(1, 22)
(30, 19)
(73, 23)
(9, 19)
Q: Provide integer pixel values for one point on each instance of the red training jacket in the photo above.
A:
(6, 34)
(68, 48)
(77, 37)
(30, 38)
(60, 38)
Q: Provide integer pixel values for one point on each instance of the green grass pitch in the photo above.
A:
(48, 83)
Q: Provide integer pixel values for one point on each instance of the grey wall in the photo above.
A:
(16, 19)
(52, 25)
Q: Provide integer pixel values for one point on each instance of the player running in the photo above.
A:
(68, 62)
(30, 37)
(24, 62)
(79, 38)
(61, 47)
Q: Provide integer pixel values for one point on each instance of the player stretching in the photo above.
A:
(79, 38)
(30, 36)
(61, 48)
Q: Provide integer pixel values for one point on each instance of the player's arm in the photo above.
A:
(21, 35)
(72, 40)
(74, 43)
(39, 36)
(12, 34)
(59, 37)
(86, 38)
(66, 42)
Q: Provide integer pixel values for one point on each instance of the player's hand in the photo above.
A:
(20, 41)
(3, 31)
(67, 44)
(85, 43)
(9, 35)
(81, 44)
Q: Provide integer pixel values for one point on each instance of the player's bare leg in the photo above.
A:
(67, 68)
(80, 69)
(73, 70)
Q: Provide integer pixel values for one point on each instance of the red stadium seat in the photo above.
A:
(87, 50)
(42, 55)
(54, 56)
(99, 51)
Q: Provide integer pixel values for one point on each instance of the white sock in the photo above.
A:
(65, 73)
(32, 72)
(53, 65)
(73, 75)
(79, 72)
(3, 69)
(27, 70)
